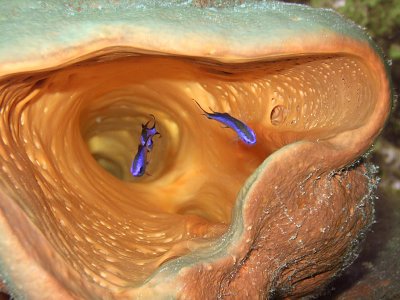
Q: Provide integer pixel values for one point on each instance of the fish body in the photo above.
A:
(138, 167)
(148, 133)
(139, 163)
(244, 132)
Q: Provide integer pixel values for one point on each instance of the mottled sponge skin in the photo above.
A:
(36, 30)
(301, 212)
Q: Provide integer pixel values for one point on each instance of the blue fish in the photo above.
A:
(139, 163)
(148, 133)
(245, 133)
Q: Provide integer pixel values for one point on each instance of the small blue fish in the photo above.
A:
(148, 134)
(139, 163)
(245, 133)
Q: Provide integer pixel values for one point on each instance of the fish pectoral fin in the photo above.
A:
(235, 141)
(147, 162)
